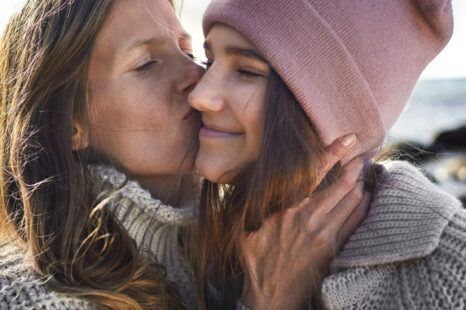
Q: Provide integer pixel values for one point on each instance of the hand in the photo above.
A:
(286, 259)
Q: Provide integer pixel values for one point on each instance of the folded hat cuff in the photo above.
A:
(315, 65)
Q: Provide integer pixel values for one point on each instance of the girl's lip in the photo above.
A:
(207, 132)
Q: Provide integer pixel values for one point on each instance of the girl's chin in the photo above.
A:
(219, 176)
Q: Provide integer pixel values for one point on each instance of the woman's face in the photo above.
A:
(140, 74)
(230, 98)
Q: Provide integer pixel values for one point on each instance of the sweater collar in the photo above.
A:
(132, 190)
(405, 221)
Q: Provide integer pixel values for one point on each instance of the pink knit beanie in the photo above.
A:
(351, 64)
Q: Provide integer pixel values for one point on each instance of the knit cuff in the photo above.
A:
(406, 220)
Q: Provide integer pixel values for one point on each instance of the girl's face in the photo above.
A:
(230, 98)
(140, 74)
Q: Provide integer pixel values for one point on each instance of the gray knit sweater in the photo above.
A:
(409, 253)
(153, 225)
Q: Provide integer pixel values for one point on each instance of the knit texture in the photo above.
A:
(409, 252)
(153, 225)
(21, 289)
(351, 64)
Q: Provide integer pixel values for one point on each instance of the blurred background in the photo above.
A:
(431, 132)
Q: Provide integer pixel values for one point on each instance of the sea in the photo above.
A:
(436, 106)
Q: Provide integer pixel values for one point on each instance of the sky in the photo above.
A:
(450, 63)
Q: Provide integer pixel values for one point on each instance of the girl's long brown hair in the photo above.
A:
(286, 168)
(46, 199)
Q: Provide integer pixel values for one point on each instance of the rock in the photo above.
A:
(450, 140)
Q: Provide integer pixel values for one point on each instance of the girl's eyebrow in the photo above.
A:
(239, 51)
(246, 52)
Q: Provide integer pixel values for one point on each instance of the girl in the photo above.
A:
(97, 147)
(284, 79)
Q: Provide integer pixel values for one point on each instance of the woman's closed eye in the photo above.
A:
(145, 66)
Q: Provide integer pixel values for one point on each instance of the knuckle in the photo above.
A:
(312, 224)
(357, 196)
(333, 155)
(323, 239)
(348, 181)
(326, 165)
(287, 214)
(307, 201)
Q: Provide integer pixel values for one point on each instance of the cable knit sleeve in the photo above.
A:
(21, 289)
(388, 264)
(436, 282)
(445, 269)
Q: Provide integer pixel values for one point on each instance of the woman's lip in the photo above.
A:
(191, 113)
(207, 132)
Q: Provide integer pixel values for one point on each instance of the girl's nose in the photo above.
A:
(207, 96)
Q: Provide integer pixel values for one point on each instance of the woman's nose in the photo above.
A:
(189, 80)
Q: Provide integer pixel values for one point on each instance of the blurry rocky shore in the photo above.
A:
(443, 160)
(431, 133)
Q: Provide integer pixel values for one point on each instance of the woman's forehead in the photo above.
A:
(136, 22)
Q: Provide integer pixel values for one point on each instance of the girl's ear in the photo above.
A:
(80, 137)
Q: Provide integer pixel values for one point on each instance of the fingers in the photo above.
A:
(342, 211)
(331, 196)
(353, 221)
(333, 154)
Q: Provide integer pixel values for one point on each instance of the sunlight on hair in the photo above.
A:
(7, 9)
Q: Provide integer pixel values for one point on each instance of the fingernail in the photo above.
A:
(348, 140)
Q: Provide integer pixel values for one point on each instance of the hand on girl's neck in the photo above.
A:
(174, 190)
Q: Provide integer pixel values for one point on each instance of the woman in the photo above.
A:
(98, 83)
(97, 148)
(284, 79)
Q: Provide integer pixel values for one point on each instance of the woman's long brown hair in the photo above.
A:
(46, 197)
(286, 168)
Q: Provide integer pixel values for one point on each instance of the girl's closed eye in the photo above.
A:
(249, 72)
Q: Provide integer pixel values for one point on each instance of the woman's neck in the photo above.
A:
(174, 190)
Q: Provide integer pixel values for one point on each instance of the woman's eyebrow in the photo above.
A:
(156, 40)
(239, 51)
(146, 42)
(186, 36)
